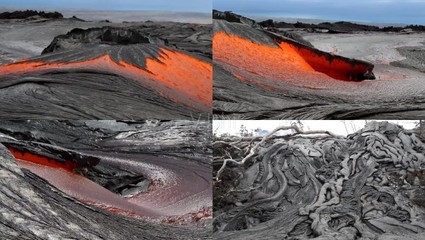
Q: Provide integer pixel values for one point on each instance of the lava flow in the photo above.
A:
(76, 185)
(38, 159)
(174, 75)
(286, 61)
(171, 200)
(332, 65)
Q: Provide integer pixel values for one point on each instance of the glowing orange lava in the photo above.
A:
(256, 58)
(34, 158)
(176, 76)
(334, 67)
(287, 61)
(183, 72)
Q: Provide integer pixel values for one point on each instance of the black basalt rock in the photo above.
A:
(29, 13)
(105, 35)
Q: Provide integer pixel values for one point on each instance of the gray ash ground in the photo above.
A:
(100, 92)
(311, 185)
(134, 160)
(396, 53)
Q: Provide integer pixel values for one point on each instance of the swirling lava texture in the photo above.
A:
(108, 82)
(368, 185)
(264, 73)
(107, 170)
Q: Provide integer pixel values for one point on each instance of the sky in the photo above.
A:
(370, 11)
(154, 5)
(335, 126)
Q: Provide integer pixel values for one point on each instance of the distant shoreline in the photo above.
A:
(119, 16)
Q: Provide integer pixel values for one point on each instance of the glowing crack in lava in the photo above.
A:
(30, 157)
(287, 61)
(174, 75)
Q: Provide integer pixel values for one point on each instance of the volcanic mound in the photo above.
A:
(138, 71)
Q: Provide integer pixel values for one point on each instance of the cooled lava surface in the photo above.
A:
(265, 72)
(154, 70)
(316, 185)
(117, 169)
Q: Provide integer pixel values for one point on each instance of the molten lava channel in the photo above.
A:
(62, 176)
(287, 61)
(34, 158)
(174, 75)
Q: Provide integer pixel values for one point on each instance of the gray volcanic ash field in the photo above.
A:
(67, 68)
(316, 185)
(276, 70)
(105, 180)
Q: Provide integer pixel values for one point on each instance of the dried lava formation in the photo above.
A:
(315, 185)
(96, 179)
(93, 73)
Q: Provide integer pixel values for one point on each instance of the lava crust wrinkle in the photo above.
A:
(322, 186)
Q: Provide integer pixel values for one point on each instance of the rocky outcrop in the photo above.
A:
(232, 17)
(367, 185)
(104, 35)
(30, 13)
(338, 27)
(194, 38)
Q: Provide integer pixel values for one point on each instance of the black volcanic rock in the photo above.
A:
(194, 38)
(339, 27)
(270, 23)
(30, 13)
(115, 180)
(346, 27)
(104, 35)
(267, 23)
(232, 17)
(321, 186)
(77, 19)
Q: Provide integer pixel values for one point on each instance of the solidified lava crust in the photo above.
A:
(317, 185)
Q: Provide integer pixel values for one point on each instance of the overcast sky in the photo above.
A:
(375, 11)
(155, 5)
(336, 126)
